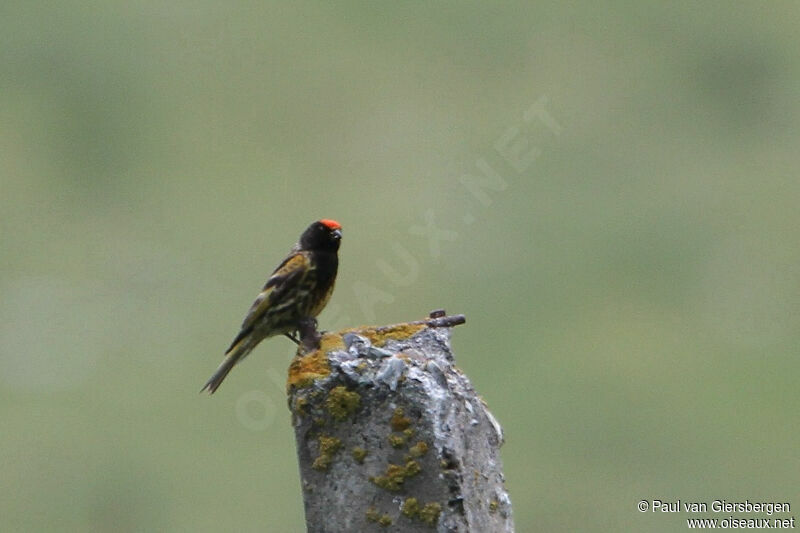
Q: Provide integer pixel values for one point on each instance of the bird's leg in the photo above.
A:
(307, 328)
(293, 338)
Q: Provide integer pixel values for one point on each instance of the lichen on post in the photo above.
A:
(391, 436)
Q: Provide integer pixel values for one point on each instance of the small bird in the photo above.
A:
(297, 291)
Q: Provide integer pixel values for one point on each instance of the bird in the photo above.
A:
(295, 293)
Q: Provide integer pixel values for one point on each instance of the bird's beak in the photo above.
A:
(337, 234)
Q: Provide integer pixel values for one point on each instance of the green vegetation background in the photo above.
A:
(632, 295)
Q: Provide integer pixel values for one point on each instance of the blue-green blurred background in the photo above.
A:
(631, 288)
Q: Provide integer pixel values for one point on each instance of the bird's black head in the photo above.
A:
(323, 235)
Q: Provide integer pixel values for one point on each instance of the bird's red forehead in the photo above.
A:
(330, 224)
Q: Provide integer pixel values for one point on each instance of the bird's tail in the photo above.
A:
(234, 354)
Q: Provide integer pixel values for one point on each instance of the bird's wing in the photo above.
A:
(287, 275)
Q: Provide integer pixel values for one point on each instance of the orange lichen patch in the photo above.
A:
(410, 507)
(328, 447)
(304, 369)
(359, 454)
(331, 341)
(300, 406)
(396, 441)
(374, 516)
(379, 336)
(430, 513)
(399, 421)
(395, 475)
(418, 450)
(341, 403)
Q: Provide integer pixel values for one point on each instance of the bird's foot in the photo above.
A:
(309, 336)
